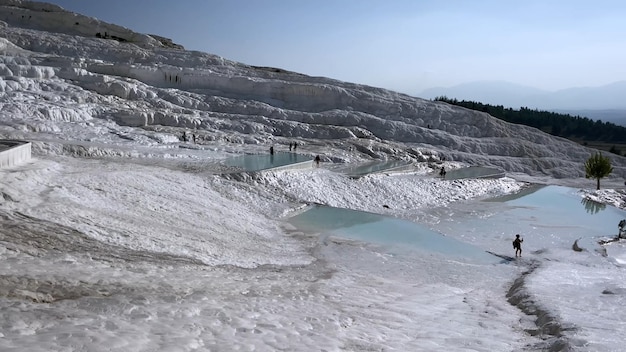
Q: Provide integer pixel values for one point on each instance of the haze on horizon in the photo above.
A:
(406, 46)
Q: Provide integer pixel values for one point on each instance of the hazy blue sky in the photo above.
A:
(404, 45)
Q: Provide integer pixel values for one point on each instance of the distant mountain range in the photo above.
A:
(606, 103)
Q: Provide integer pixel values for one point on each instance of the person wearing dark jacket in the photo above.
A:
(517, 244)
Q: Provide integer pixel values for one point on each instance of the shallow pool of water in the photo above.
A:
(257, 162)
(395, 233)
(547, 217)
(473, 172)
(372, 167)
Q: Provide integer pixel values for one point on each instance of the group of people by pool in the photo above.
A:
(292, 147)
(442, 172)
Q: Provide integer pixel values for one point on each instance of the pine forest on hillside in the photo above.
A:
(603, 135)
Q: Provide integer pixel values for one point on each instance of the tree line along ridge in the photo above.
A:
(577, 128)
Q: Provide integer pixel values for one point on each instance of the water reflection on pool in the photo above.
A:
(548, 217)
(392, 232)
(257, 162)
(474, 172)
(373, 167)
(559, 206)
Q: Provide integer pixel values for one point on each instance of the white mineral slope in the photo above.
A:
(116, 255)
(139, 81)
(118, 236)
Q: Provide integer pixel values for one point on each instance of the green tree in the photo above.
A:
(598, 166)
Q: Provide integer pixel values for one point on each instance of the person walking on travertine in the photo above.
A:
(517, 244)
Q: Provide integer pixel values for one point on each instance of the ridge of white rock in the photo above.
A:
(108, 72)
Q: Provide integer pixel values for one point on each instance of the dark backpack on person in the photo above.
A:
(514, 246)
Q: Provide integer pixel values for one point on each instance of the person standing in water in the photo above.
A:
(517, 244)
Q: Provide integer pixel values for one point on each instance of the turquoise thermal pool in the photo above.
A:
(372, 167)
(397, 234)
(473, 172)
(258, 162)
(548, 217)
